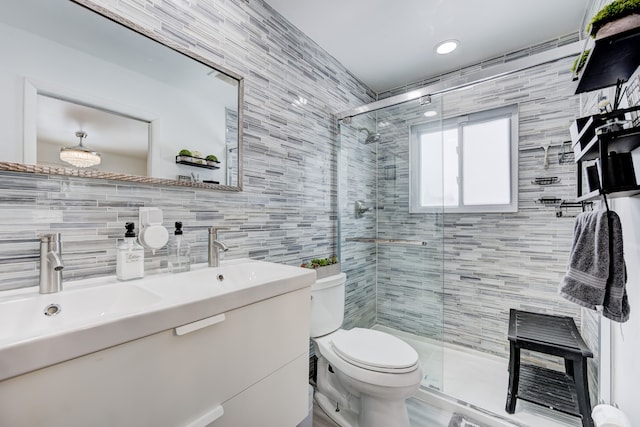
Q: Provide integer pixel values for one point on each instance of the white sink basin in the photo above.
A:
(94, 314)
(232, 276)
(35, 315)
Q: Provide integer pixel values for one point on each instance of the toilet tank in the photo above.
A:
(327, 304)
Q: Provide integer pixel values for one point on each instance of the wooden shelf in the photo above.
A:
(611, 59)
(549, 388)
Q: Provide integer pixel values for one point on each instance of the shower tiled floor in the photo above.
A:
(475, 380)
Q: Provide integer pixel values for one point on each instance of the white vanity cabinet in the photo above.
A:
(245, 367)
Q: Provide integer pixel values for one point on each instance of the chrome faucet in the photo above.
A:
(215, 246)
(50, 263)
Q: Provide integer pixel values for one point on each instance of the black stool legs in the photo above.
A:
(514, 378)
(582, 391)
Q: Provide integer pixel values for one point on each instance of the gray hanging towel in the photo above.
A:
(616, 302)
(596, 275)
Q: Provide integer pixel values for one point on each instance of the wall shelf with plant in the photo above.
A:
(194, 158)
(611, 55)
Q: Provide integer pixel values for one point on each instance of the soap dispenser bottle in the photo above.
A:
(130, 256)
(178, 251)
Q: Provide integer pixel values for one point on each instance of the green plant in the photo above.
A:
(579, 62)
(611, 12)
(320, 262)
(184, 152)
(212, 158)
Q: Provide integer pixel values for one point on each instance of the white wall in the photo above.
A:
(626, 336)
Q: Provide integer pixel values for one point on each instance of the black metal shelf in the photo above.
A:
(588, 145)
(611, 193)
(584, 138)
(622, 141)
(610, 60)
(180, 160)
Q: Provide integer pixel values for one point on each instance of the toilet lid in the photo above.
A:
(375, 350)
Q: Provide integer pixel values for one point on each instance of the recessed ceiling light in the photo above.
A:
(446, 46)
(430, 113)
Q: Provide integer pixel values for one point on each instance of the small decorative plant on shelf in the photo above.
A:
(185, 155)
(580, 61)
(195, 158)
(615, 17)
(324, 267)
(212, 160)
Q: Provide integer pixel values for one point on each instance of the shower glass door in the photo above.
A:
(393, 255)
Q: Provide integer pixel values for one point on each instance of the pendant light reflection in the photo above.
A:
(80, 156)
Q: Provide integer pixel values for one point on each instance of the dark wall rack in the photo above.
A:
(562, 207)
(562, 210)
(611, 59)
(588, 145)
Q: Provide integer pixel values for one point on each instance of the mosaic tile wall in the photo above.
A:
(516, 260)
(287, 212)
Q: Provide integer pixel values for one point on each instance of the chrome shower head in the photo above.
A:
(372, 137)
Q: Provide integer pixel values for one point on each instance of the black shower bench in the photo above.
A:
(567, 391)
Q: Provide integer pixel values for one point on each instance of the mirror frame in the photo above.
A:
(119, 20)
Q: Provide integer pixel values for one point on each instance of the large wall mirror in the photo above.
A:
(90, 94)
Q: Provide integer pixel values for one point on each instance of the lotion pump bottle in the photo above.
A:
(130, 256)
(178, 251)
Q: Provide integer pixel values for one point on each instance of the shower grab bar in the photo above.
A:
(399, 242)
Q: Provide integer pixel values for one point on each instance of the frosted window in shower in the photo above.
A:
(486, 163)
(466, 163)
(439, 171)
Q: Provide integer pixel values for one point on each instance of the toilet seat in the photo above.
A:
(325, 348)
(375, 350)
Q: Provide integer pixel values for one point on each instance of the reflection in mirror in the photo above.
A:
(122, 142)
(153, 113)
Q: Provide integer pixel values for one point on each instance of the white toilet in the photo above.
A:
(364, 376)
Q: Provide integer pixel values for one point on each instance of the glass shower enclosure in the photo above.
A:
(393, 257)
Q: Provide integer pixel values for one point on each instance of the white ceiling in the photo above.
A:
(390, 43)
